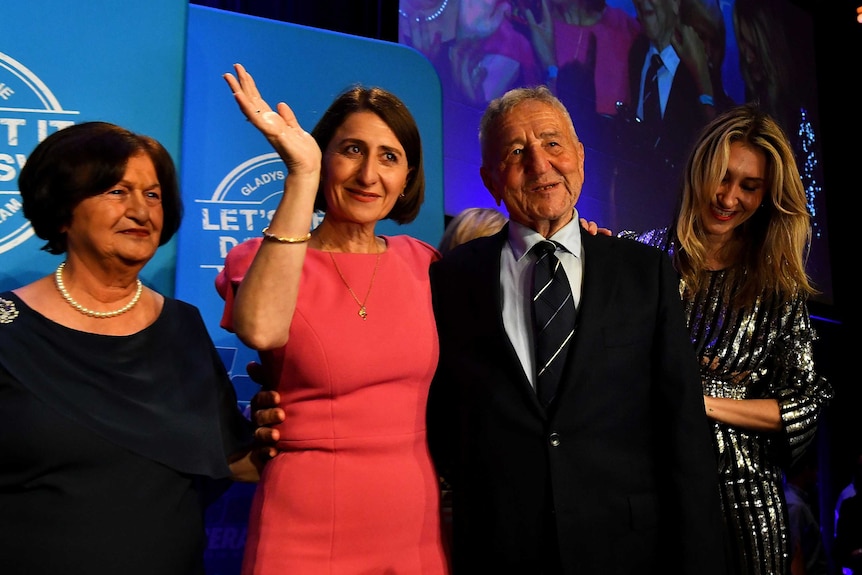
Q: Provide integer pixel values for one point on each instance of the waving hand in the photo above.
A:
(297, 148)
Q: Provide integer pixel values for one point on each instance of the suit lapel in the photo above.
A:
(490, 301)
(596, 294)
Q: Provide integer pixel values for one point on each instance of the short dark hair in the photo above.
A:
(389, 108)
(82, 161)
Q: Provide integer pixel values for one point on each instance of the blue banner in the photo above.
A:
(120, 62)
(231, 178)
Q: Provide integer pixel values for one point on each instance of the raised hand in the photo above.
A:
(297, 148)
(542, 35)
(467, 72)
(692, 51)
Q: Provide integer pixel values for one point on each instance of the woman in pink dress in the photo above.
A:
(343, 322)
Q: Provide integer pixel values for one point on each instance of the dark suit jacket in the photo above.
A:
(683, 117)
(625, 448)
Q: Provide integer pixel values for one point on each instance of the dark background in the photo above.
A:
(838, 57)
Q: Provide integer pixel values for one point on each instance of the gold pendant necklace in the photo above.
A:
(363, 313)
(58, 279)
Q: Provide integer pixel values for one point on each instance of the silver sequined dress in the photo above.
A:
(760, 352)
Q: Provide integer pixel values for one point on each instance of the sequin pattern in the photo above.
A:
(765, 351)
(8, 311)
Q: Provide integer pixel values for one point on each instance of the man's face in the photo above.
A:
(658, 19)
(535, 165)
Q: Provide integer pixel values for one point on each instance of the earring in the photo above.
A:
(401, 195)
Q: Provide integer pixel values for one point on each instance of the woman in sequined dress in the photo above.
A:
(739, 241)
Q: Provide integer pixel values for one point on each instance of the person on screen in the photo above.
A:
(472, 44)
(118, 421)
(585, 45)
(668, 74)
(343, 322)
(706, 20)
(738, 242)
(492, 54)
(778, 73)
(772, 73)
(429, 26)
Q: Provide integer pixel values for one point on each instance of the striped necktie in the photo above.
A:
(652, 100)
(553, 319)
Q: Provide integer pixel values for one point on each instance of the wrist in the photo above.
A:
(303, 175)
(300, 239)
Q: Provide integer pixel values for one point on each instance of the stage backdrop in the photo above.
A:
(120, 62)
(231, 178)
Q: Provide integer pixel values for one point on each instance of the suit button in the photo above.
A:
(554, 439)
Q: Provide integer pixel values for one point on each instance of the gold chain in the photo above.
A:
(363, 313)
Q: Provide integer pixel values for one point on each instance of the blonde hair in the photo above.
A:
(471, 223)
(776, 239)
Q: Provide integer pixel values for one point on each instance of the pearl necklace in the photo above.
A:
(431, 17)
(58, 279)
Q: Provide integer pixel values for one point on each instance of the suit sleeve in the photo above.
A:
(441, 415)
(692, 476)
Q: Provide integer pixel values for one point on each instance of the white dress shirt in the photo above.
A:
(516, 280)
(671, 62)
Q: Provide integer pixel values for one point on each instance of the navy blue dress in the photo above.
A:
(111, 446)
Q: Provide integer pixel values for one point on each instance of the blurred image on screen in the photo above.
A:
(595, 56)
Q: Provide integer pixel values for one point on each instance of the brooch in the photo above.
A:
(8, 312)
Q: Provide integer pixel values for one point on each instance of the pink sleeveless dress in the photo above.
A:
(353, 489)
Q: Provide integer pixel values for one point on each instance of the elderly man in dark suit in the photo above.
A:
(611, 473)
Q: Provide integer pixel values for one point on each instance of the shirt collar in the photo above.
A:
(669, 57)
(522, 239)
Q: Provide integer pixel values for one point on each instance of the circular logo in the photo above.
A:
(29, 112)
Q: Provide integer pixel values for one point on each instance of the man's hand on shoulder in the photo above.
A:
(593, 228)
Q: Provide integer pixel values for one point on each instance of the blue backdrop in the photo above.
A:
(232, 179)
(120, 62)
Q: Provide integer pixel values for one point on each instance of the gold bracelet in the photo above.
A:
(281, 240)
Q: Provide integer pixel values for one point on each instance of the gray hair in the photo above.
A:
(501, 106)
